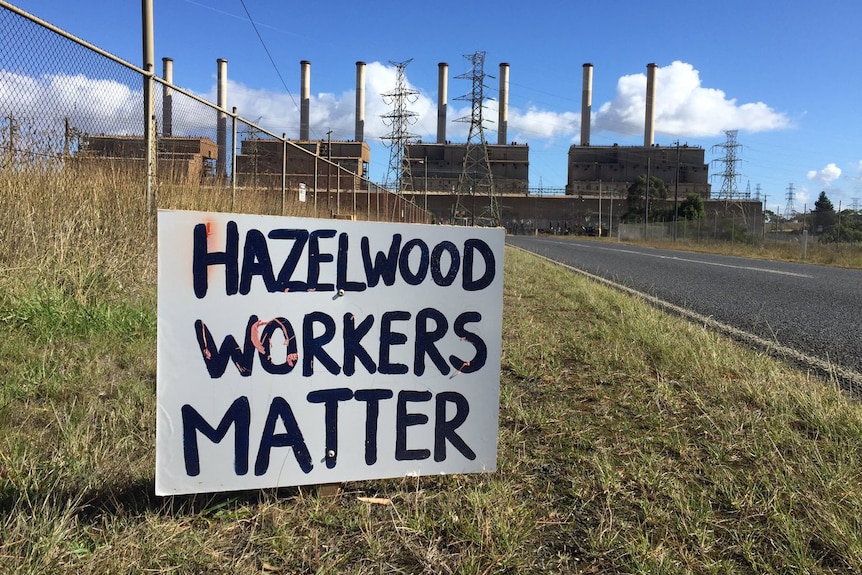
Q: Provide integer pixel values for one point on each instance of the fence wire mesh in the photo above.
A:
(65, 103)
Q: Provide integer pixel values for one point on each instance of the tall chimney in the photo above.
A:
(586, 104)
(649, 120)
(360, 102)
(503, 112)
(167, 97)
(221, 125)
(305, 99)
(442, 96)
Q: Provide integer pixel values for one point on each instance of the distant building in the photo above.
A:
(437, 167)
(261, 161)
(617, 167)
(179, 159)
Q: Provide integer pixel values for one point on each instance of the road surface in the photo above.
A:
(814, 310)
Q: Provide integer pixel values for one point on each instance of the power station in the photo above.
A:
(475, 182)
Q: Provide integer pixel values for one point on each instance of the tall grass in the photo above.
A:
(629, 442)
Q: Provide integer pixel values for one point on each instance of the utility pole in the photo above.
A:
(676, 193)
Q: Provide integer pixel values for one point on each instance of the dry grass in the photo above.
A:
(845, 255)
(629, 441)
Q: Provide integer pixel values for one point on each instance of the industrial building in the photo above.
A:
(612, 169)
(261, 162)
(180, 160)
(598, 177)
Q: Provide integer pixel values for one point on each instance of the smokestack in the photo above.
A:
(503, 120)
(305, 99)
(167, 97)
(360, 102)
(586, 104)
(221, 126)
(649, 120)
(442, 96)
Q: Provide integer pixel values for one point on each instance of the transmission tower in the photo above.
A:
(789, 208)
(475, 180)
(729, 176)
(398, 176)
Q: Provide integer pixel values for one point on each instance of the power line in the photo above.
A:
(268, 54)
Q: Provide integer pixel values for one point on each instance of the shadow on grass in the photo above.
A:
(133, 498)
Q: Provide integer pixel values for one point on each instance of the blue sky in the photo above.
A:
(784, 74)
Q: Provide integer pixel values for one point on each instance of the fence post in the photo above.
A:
(283, 169)
(233, 157)
(149, 102)
(315, 186)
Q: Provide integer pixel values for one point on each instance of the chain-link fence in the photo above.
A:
(68, 105)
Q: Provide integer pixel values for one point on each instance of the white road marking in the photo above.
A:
(663, 257)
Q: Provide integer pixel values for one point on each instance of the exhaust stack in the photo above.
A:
(442, 96)
(167, 97)
(649, 119)
(305, 99)
(586, 104)
(503, 112)
(360, 102)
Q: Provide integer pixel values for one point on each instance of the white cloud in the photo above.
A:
(683, 107)
(826, 175)
(91, 105)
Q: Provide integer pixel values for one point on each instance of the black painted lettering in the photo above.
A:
(217, 357)
(312, 346)
(202, 258)
(300, 238)
(341, 282)
(330, 398)
(280, 409)
(444, 430)
(409, 276)
(481, 355)
(472, 246)
(317, 257)
(237, 415)
(372, 398)
(384, 266)
(437, 274)
(255, 262)
(403, 420)
(389, 338)
(353, 349)
(426, 339)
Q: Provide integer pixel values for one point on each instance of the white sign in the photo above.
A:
(301, 192)
(298, 351)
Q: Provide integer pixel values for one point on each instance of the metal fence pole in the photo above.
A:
(149, 102)
(283, 169)
(233, 120)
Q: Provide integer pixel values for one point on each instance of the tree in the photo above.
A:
(823, 214)
(692, 208)
(637, 195)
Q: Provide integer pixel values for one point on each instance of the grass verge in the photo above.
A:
(629, 442)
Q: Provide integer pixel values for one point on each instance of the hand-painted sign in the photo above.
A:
(300, 351)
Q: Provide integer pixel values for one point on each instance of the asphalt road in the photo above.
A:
(815, 310)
